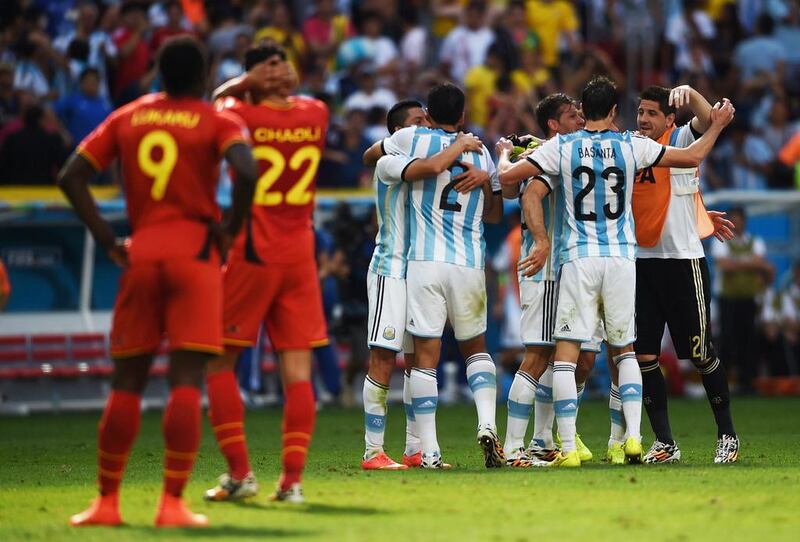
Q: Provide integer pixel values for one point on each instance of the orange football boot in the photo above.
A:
(173, 512)
(104, 510)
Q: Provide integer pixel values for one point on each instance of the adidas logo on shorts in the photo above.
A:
(411, 323)
(565, 327)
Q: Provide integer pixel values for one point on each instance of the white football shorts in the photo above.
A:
(386, 323)
(438, 291)
(592, 286)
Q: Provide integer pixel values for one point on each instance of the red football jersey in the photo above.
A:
(170, 150)
(287, 143)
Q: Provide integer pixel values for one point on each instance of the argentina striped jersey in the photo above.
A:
(445, 226)
(596, 172)
(553, 207)
(392, 206)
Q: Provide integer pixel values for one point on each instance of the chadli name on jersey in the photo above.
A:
(287, 135)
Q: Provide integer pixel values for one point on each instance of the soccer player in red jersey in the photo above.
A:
(271, 275)
(170, 146)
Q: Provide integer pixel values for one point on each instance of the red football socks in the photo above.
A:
(227, 416)
(117, 432)
(181, 428)
(299, 415)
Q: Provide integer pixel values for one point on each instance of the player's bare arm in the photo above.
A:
(263, 77)
(73, 179)
(534, 219)
(512, 173)
(439, 162)
(691, 156)
(373, 154)
(240, 157)
(492, 205)
(686, 95)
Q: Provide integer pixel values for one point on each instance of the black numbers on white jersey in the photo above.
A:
(455, 169)
(618, 188)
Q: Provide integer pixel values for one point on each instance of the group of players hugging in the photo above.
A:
(207, 283)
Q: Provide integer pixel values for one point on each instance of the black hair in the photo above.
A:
(260, 53)
(446, 103)
(548, 108)
(32, 115)
(738, 210)
(765, 25)
(397, 115)
(655, 93)
(78, 49)
(182, 66)
(598, 98)
(133, 5)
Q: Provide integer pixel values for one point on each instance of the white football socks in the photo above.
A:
(412, 437)
(543, 412)
(424, 399)
(565, 395)
(482, 379)
(617, 421)
(630, 392)
(374, 395)
(520, 406)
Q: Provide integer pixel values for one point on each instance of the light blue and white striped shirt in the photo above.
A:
(392, 203)
(596, 171)
(445, 226)
(553, 207)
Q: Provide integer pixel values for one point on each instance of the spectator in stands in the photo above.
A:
(102, 50)
(31, 156)
(282, 31)
(370, 93)
(480, 84)
(414, 43)
(231, 64)
(326, 30)
(687, 31)
(82, 111)
(744, 273)
(133, 53)
(370, 46)
(552, 21)
(228, 28)
(760, 54)
(34, 71)
(9, 106)
(466, 45)
(328, 264)
(175, 26)
(342, 164)
(774, 332)
(743, 161)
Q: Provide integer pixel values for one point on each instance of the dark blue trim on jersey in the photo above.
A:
(544, 182)
(660, 156)
(383, 149)
(403, 173)
(695, 133)
(535, 163)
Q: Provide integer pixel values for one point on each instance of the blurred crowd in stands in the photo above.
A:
(65, 64)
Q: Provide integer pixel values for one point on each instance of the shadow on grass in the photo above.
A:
(310, 508)
(219, 531)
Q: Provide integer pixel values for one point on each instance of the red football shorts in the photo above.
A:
(181, 299)
(286, 297)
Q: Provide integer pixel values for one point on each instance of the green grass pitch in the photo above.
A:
(47, 470)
